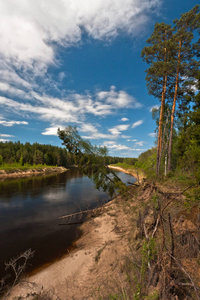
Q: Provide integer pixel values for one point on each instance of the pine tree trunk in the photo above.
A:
(159, 147)
(173, 110)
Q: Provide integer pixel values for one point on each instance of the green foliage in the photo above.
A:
(147, 162)
(91, 160)
(155, 201)
(21, 161)
(1, 159)
(34, 154)
(153, 296)
(125, 166)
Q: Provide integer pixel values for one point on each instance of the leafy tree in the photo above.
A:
(21, 161)
(1, 159)
(91, 160)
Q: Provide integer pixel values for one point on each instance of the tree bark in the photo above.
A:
(173, 109)
(159, 147)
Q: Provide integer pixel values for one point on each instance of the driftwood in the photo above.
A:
(79, 215)
(76, 214)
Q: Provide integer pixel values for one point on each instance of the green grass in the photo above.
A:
(124, 166)
(18, 166)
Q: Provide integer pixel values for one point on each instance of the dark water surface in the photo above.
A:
(29, 212)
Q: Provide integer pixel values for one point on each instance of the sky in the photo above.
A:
(75, 62)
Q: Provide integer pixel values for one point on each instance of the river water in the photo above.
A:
(29, 212)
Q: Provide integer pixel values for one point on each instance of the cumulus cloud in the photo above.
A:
(29, 30)
(138, 123)
(120, 99)
(52, 130)
(72, 108)
(124, 119)
(118, 129)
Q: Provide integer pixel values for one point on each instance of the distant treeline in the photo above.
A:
(16, 152)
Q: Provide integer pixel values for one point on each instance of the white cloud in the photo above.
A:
(52, 130)
(137, 123)
(142, 150)
(71, 108)
(140, 143)
(131, 140)
(152, 134)
(4, 140)
(9, 123)
(88, 128)
(108, 143)
(120, 99)
(152, 107)
(30, 29)
(6, 135)
(117, 129)
(124, 119)
(116, 147)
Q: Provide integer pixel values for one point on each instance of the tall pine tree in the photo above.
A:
(159, 54)
(185, 66)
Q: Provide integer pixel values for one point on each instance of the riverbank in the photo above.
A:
(17, 173)
(83, 273)
(125, 252)
(138, 175)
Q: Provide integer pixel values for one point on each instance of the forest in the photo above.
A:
(16, 154)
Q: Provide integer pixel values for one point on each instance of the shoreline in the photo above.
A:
(78, 274)
(81, 267)
(30, 172)
(129, 171)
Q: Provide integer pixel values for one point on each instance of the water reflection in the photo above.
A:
(29, 211)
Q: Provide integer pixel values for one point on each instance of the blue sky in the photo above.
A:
(75, 62)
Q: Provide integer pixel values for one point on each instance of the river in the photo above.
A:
(29, 212)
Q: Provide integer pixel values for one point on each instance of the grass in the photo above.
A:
(124, 166)
(18, 166)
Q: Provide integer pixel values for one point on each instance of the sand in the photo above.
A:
(89, 270)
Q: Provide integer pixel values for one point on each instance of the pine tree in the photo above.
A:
(160, 57)
(184, 64)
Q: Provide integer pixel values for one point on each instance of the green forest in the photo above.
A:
(17, 154)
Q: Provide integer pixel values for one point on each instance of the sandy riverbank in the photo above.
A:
(128, 171)
(83, 273)
(4, 174)
(93, 265)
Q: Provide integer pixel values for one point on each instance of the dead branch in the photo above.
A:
(189, 187)
(17, 268)
(172, 241)
(186, 285)
(79, 213)
(186, 273)
(145, 232)
(156, 226)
